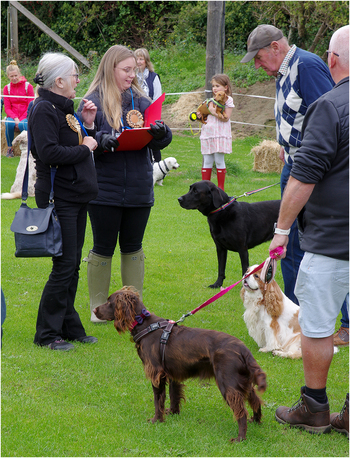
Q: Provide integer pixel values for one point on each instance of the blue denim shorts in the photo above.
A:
(321, 288)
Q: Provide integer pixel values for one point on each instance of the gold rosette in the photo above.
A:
(135, 119)
(73, 123)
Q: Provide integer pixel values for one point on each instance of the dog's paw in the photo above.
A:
(237, 439)
(172, 411)
(215, 285)
(264, 350)
(155, 419)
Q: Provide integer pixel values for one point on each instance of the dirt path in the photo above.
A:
(250, 110)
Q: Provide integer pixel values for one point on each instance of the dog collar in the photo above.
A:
(139, 318)
(223, 206)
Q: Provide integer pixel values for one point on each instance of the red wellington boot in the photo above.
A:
(221, 173)
(206, 174)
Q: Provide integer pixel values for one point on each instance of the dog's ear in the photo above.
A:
(273, 299)
(219, 196)
(125, 304)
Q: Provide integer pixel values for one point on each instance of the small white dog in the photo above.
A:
(16, 189)
(271, 318)
(161, 169)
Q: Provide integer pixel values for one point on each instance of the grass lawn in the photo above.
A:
(95, 401)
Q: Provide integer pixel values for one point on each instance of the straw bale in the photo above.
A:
(186, 104)
(266, 157)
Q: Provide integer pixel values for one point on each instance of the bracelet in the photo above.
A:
(89, 128)
(280, 231)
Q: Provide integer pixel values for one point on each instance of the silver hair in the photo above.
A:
(52, 66)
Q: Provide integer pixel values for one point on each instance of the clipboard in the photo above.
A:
(136, 139)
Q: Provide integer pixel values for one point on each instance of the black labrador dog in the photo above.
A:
(235, 226)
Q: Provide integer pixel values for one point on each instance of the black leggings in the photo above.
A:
(108, 222)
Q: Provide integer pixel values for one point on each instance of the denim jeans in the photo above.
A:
(10, 129)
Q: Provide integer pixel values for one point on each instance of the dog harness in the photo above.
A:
(220, 105)
(166, 325)
(167, 170)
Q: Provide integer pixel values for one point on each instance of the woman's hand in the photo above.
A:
(88, 113)
(16, 121)
(90, 142)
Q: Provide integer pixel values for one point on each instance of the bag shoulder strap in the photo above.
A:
(25, 85)
(26, 173)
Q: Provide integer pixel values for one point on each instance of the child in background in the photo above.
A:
(216, 136)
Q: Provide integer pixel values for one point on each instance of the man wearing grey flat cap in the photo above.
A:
(301, 78)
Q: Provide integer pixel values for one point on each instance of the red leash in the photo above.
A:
(273, 255)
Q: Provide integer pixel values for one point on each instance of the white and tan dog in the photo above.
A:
(161, 169)
(271, 318)
(16, 189)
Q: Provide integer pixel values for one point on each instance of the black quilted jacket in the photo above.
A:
(125, 178)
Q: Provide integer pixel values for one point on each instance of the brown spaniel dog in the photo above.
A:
(172, 354)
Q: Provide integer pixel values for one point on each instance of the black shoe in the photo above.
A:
(86, 339)
(60, 345)
(10, 152)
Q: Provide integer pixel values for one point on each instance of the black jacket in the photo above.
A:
(55, 143)
(125, 178)
(323, 158)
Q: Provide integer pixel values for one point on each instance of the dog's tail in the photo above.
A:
(258, 375)
(11, 195)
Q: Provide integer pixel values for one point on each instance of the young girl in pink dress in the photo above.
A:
(216, 136)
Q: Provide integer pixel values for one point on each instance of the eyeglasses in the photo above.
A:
(76, 76)
(128, 70)
(332, 52)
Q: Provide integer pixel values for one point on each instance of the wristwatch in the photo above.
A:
(280, 231)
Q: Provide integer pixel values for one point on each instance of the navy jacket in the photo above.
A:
(55, 143)
(323, 158)
(125, 178)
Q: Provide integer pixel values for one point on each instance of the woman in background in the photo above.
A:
(150, 84)
(16, 107)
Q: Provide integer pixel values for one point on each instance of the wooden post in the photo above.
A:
(215, 42)
(12, 31)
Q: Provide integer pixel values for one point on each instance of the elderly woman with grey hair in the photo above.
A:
(62, 141)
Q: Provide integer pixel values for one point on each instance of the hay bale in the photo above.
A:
(266, 157)
(186, 104)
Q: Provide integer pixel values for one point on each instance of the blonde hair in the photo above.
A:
(142, 52)
(13, 67)
(223, 80)
(104, 82)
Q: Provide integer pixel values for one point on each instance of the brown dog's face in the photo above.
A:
(220, 97)
(122, 307)
(105, 311)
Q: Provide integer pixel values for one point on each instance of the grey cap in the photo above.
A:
(262, 36)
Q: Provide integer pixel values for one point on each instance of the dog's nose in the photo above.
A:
(180, 199)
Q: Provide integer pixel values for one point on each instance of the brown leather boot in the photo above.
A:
(340, 421)
(306, 414)
(341, 337)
